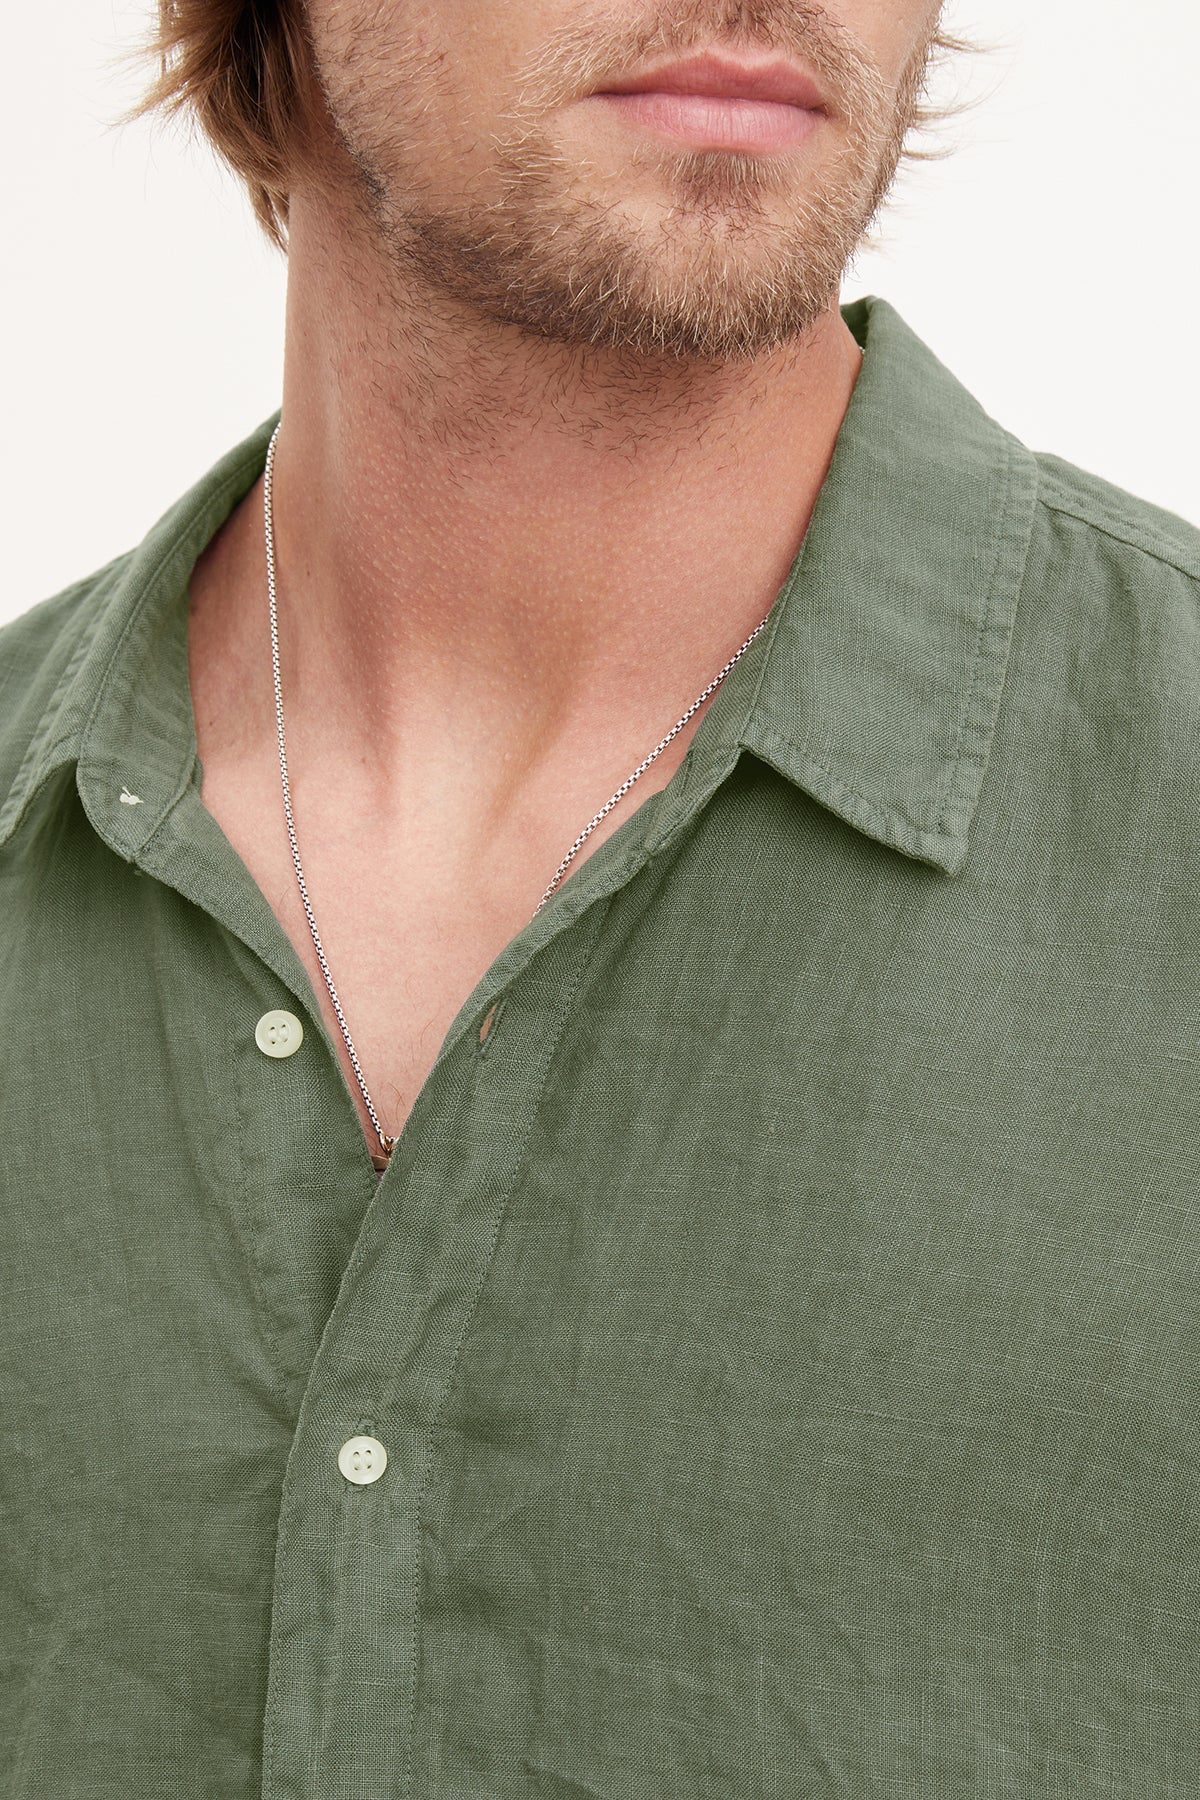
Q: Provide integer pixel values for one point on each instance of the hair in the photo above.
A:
(235, 69)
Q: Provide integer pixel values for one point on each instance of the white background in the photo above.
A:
(1052, 262)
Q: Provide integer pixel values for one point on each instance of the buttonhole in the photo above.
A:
(490, 1019)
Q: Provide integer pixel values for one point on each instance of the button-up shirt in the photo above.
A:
(770, 1365)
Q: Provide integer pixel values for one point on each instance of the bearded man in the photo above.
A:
(600, 997)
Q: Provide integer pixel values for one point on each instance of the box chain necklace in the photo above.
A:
(387, 1144)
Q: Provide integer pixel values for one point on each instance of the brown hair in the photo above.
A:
(236, 68)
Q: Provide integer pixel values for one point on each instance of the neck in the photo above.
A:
(512, 542)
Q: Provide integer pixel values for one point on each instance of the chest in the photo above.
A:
(410, 916)
(785, 1342)
(792, 1318)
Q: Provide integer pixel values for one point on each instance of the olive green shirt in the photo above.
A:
(781, 1324)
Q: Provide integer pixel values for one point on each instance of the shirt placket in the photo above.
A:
(345, 1640)
(346, 1631)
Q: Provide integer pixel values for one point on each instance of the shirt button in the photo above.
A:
(362, 1460)
(278, 1033)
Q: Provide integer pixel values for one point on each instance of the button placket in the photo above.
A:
(387, 1355)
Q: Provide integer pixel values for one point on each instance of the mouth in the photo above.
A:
(719, 103)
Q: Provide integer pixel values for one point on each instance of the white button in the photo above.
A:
(362, 1460)
(278, 1034)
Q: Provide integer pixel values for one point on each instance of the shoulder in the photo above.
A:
(1111, 594)
(1085, 510)
(1106, 651)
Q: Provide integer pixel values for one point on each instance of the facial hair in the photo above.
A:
(744, 255)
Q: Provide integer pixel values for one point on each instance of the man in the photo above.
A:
(729, 1326)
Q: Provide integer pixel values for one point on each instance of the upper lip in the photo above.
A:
(726, 77)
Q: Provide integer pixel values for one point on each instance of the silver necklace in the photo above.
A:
(387, 1144)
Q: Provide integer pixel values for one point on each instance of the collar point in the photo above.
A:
(941, 847)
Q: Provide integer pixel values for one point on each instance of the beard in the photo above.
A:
(734, 255)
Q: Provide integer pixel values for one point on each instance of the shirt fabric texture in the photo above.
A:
(782, 1323)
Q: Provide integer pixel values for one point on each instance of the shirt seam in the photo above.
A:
(1057, 500)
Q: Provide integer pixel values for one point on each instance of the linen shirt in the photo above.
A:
(781, 1322)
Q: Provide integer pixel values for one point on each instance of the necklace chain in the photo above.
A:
(387, 1144)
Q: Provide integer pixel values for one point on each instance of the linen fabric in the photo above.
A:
(782, 1322)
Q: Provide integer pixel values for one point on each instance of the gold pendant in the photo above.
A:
(382, 1157)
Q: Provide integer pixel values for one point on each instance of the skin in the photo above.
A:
(559, 396)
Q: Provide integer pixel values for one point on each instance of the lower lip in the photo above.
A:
(716, 122)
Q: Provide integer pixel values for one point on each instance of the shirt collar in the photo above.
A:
(121, 713)
(882, 680)
(874, 687)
